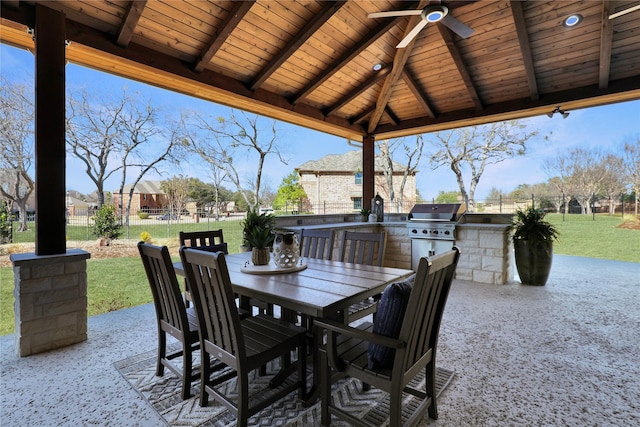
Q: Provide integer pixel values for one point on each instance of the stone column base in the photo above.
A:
(50, 300)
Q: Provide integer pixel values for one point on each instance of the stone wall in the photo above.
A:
(486, 249)
(50, 300)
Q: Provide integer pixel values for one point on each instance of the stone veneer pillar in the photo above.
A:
(50, 300)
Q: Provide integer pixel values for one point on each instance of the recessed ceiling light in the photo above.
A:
(572, 20)
(377, 67)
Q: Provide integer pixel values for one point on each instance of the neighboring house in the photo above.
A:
(336, 179)
(147, 197)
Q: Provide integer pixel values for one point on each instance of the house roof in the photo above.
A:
(312, 62)
(350, 162)
(144, 187)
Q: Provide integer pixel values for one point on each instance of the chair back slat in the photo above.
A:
(213, 298)
(421, 324)
(201, 238)
(316, 243)
(167, 297)
(363, 248)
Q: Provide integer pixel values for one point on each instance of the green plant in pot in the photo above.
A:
(364, 213)
(257, 234)
(533, 239)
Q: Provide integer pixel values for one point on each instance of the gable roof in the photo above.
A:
(350, 162)
(144, 187)
(315, 63)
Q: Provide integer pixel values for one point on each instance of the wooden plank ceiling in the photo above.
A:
(312, 62)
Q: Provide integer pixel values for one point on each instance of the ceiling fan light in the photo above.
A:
(377, 67)
(434, 13)
(550, 115)
(565, 114)
(572, 20)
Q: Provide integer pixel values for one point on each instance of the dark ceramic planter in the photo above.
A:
(533, 262)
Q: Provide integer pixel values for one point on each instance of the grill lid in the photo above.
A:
(437, 212)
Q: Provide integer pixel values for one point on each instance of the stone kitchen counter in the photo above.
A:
(485, 244)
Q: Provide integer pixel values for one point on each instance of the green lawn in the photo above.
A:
(120, 282)
(580, 235)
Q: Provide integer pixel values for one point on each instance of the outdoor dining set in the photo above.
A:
(313, 319)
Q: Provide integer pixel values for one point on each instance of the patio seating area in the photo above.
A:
(564, 354)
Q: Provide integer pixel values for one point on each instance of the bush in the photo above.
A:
(106, 225)
(143, 215)
(5, 224)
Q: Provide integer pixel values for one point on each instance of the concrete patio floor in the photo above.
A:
(566, 354)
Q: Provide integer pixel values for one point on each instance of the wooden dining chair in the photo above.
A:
(362, 248)
(242, 344)
(210, 240)
(400, 343)
(172, 316)
(315, 243)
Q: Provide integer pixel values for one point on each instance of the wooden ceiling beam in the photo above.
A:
(240, 9)
(357, 91)
(525, 47)
(461, 66)
(298, 40)
(582, 97)
(399, 61)
(130, 22)
(393, 117)
(606, 41)
(348, 56)
(417, 92)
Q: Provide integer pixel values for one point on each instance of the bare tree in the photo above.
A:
(612, 186)
(236, 137)
(111, 136)
(586, 175)
(632, 167)
(177, 191)
(16, 145)
(139, 132)
(412, 158)
(472, 149)
(560, 169)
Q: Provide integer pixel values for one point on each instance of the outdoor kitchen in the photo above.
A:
(487, 255)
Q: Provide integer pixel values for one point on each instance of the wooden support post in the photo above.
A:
(50, 131)
(368, 170)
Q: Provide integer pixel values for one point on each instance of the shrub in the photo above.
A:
(5, 224)
(106, 224)
(143, 215)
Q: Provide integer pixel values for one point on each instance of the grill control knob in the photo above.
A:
(435, 231)
(414, 231)
(447, 232)
(425, 231)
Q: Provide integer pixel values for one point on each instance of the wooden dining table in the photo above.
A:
(324, 289)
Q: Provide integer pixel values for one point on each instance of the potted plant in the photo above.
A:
(533, 239)
(257, 234)
(364, 212)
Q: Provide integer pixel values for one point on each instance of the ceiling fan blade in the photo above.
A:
(394, 13)
(624, 12)
(456, 26)
(412, 34)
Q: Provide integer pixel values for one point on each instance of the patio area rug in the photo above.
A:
(163, 394)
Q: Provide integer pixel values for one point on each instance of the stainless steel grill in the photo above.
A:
(432, 229)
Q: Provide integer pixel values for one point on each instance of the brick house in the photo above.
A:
(336, 180)
(147, 197)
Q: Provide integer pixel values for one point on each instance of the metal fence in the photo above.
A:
(80, 224)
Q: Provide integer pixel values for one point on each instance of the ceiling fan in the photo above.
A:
(624, 11)
(430, 14)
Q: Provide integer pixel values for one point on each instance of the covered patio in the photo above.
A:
(564, 354)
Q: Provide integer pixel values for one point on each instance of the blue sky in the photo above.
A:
(606, 128)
